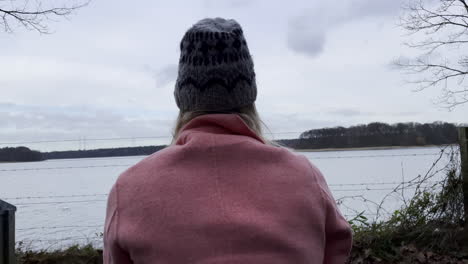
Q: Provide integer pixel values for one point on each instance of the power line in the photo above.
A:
(103, 194)
(70, 167)
(73, 238)
(96, 158)
(80, 139)
(159, 137)
(62, 202)
(377, 156)
(371, 189)
(127, 165)
(58, 227)
(110, 139)
(54, 196)
(326, 157)
(378, 183)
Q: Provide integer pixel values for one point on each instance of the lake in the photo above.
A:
(62, 202)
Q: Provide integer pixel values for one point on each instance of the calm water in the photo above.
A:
(63, 201)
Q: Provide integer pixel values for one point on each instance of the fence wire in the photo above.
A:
(94, 198)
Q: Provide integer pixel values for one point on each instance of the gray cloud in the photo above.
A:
(307, 32)
(166, 75)
(304, 38)
(361, 8)
(347, 112)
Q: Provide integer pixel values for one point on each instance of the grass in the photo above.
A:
(427, 229)
(72, 255)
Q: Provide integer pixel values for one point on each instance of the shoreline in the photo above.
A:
(292, 149)
(368, 148)
(20, 161)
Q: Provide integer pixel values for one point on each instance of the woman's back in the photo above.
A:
(221, 195)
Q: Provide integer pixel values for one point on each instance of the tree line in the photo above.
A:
(107, 152)
(376, 134)
(19, 154)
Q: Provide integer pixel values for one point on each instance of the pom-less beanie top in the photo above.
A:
(216, 71)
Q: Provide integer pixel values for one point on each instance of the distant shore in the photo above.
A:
(366, 148)
(292, 149)
(123, 152)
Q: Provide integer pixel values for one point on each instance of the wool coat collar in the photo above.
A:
(216, 124)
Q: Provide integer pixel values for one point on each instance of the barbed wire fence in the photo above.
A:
(92, 234)
(430, 182)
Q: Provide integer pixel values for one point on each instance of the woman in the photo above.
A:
(221, 193)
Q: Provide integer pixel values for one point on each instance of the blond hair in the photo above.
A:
(248, 113)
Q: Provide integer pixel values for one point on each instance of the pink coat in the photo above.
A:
(221, 195)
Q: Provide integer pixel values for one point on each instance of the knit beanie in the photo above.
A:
(216, 71)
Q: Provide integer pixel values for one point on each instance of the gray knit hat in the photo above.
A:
(216, 71)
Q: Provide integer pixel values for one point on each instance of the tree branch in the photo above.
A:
(464, 4)
(444, 25)
(33, 17)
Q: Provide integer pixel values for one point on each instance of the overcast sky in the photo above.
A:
(109, 71)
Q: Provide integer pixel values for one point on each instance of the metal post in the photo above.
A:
(463, 138)
(7, 233)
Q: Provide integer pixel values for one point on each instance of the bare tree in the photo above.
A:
(33, 14)
(440, 28)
